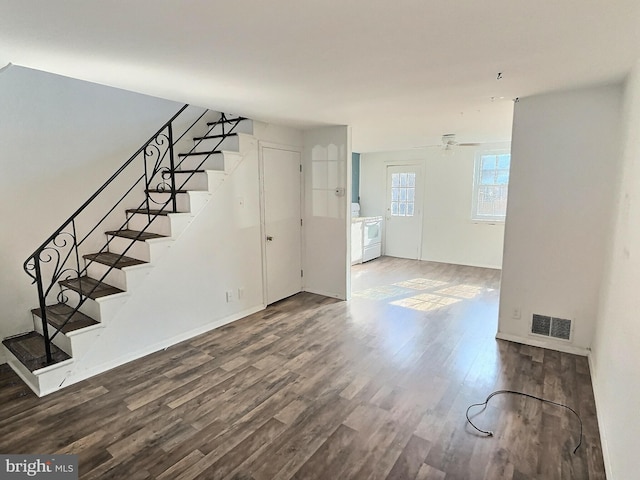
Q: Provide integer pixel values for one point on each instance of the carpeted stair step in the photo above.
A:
(30, 350)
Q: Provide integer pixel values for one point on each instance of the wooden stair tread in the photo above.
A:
(135, 234)
(57, 314)
(29, 349)
(194, 154)
(211, 137)
(85, 285)
(150, 211)
(155, 190)
(228, 120)
(114, 260)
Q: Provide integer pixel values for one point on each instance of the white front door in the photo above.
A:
(282, 214)
(403, 226)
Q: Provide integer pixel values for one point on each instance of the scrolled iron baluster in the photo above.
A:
(29, 266)
(43, 311)
(53, 252)
(156, 151)
(172, 169)
(75, 247)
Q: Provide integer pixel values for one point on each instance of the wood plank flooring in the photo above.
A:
(315, 388)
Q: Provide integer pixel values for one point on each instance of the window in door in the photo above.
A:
(490, 186)
(403, 194)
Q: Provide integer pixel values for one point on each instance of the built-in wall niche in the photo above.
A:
(328, 180)
(355, 177)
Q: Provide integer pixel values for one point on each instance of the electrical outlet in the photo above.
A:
(240, 293)
(229, 296)
(516, 313)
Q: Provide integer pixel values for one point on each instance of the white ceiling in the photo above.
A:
(401, 72)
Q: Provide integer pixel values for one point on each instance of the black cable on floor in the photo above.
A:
(498, 392)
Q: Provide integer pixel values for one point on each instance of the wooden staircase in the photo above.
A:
(88, 301)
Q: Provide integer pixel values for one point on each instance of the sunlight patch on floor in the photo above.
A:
(426, 302)
(441, 294)
(382, 293)
(462, 291)
(420, 284)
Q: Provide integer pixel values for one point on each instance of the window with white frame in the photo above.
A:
(490, 186)
(403, 194)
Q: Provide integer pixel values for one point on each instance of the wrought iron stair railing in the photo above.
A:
(150, 170)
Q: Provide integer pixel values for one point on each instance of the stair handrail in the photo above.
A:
(102, 188)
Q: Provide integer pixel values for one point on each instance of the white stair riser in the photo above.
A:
(198, 181)
(208, 144)
(41, 383)
(101, 310)
(134, 249)
(215, 180)
(243, 126)
(198, 199)
(231, 161)
(161, 224)
(90, 307)
(60, 340)
(214, 162)
(115, 277)
(126, 279)
(81, 341)
(164, 198)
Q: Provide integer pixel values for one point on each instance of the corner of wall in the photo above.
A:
(599, 417)
(326, 167)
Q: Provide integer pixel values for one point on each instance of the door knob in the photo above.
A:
(269, 238)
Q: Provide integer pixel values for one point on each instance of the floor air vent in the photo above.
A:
(551, 327)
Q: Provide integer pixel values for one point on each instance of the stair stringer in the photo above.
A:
(147, 312)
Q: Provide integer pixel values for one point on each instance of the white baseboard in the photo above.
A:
(542, 344)
(603, 436)
(464, 264)
(104, 367)
(325, 294)
(20, 370)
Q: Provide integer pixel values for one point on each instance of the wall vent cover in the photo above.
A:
(551, 326)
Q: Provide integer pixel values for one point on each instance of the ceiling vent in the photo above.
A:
(551, 327)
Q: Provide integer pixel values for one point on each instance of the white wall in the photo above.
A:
(448, 233)
(278, 135)
(615, 357)
(327, 166)
(564, 171)
(60, 139)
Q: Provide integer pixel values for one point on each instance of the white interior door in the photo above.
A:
(282, 214)
(403, 226)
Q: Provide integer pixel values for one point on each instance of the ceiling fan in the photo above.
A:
(449, 141)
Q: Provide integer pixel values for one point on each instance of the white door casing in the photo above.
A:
(403, 225)
(281, 196)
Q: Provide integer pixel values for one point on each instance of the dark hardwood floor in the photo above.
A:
(315, 388)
